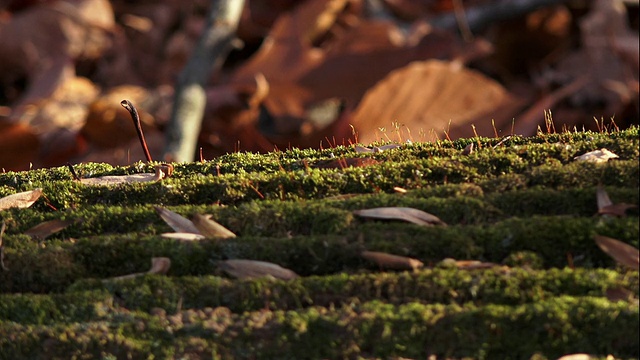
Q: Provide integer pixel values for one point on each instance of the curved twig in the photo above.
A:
(136, 122)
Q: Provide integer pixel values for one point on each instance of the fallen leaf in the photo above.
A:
(466, 264)
(468, 150)
(619, 294)
(597, 156)
(177, 222)
(210, 228)
(162, 171)
(624, 254)
(602, 198)
(575, 357)
(47, 228)
(183, 236)
(250, 269)
(159, 265)
(433, 94)
(411, 215)
(20, 200)
(389, 261)
(616, 209)
(474, 264)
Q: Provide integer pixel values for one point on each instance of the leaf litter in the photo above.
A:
(20, 200)
(159, 265)
(411, 215)
(251, 269)
(624, 254)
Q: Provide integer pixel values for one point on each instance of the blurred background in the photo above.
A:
(313, 73)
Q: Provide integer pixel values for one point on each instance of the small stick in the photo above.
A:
(73, 172)
(136, 122)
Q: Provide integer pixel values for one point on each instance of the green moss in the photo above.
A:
(523, 202)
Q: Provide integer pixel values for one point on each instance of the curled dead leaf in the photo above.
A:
(210, 228)
(20, 200)
(411, 215)
(597, 156)
(395, 262)
(624, 254)
(250, 269)
(177, 222)
(161, 171)
(48, 228)
(159, 265)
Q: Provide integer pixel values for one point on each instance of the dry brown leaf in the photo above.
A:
(575, 357)
(616, 209)
(250, 269)
(394, 262)
(20, 200)
(159, 265)
(474, 264)
(411, 215)
(177, 222)
(47, 228)
(210, 228)
(466, 264)
(183, 236)
(162, 171)
(624, 254)
(434, 95)
(597, 156)
(619, 294)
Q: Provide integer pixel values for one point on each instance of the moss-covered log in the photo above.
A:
(524, 204)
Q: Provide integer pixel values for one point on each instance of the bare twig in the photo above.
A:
(136, 122)
(215, 43)
(73, 172)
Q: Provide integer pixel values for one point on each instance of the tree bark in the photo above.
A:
(189, 100)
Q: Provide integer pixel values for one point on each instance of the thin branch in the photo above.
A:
(212, 49)
(136, 122)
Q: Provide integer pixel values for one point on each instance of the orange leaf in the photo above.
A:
(433, 95)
